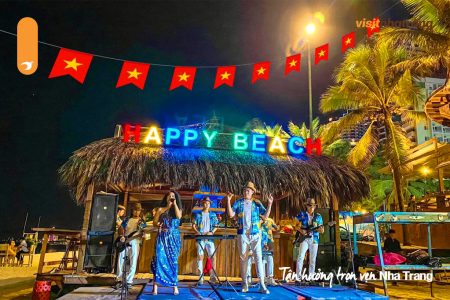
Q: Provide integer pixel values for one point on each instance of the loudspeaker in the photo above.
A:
(326, 257)
(99, 251)
(329, 235)
(103, 212)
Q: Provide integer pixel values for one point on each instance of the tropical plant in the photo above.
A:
(253, 124)
(374, 94)
(303, 130)
(430, 36)
(272, 131)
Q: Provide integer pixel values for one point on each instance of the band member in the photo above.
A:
(307, 219)
(120, 213)
(164, 264)
(267, 252)
(267, 244)
(127, 228)
(204, 224)
(248, 212)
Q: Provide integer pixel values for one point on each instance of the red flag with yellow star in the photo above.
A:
(225, 75)
(292, 64)
(321, 53)
(374, 27)
(261, 70)
(73, 63)
(348, 41)
(183, 76)
(133, 73)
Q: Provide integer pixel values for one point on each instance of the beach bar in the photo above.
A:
(142, 165)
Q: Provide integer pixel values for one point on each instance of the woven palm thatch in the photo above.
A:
(136, 166)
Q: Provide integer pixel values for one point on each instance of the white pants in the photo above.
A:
(245, 244)
(306, 245)
(209, 247)
(267, 263)
(133, 255)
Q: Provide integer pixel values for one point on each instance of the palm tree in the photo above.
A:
(431, 37)
(272, 131)
(375, 95)
(303, 130)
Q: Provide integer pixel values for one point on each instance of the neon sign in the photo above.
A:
(212, 139)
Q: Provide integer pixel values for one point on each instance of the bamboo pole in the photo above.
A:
(85, 228)
(337, 235)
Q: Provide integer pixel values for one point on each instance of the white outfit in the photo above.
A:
(133, 252)
(268, 261)
(205, 244)
(245, 244)
(306, 245)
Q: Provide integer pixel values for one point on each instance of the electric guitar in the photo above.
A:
(120, 246)
(299, 237)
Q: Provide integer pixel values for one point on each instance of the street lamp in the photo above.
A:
(310, 29)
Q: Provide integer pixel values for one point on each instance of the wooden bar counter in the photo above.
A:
(226, 255)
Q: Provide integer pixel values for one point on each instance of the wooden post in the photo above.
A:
(337, 235)
(440, 170)
(84, 229)
(126, 199)
(43, 251)
(277, 210)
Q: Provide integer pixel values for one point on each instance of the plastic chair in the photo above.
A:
(3, 254)
(30, 255)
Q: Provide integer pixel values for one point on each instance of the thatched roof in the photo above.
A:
(135, 166)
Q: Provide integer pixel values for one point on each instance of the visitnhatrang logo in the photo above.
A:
(376, 22)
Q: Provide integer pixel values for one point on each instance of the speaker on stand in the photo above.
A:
(100, 237)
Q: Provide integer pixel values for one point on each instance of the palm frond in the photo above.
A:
(397, 146)
(334, 130)
(365, 148)
(424, 11)
(412, 117)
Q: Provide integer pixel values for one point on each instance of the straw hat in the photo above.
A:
(311, 201)
(137, 206)
(251, 186)
(121, 207)
(206, 199)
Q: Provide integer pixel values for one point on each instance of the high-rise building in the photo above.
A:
(354, 133)
(420, 132)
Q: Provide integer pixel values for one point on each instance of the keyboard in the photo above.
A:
(209, 237)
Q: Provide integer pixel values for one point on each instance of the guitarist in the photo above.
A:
(131, 236)
(309, 219)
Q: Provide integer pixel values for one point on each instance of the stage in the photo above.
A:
(188, 290)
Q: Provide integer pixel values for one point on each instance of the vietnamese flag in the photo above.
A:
(348, 41)
(374, 27)
(261, 70)
(225, 75)
(321, 53)
(183, 76)
(133, 73)
(72, 63)
(292, 64)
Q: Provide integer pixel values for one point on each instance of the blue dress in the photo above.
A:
(164, 264)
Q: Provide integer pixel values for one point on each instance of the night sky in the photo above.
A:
(42, 121)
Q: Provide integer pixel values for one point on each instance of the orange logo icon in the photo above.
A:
(27, 46)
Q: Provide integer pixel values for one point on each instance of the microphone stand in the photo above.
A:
(352, 256)
(226, 281)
